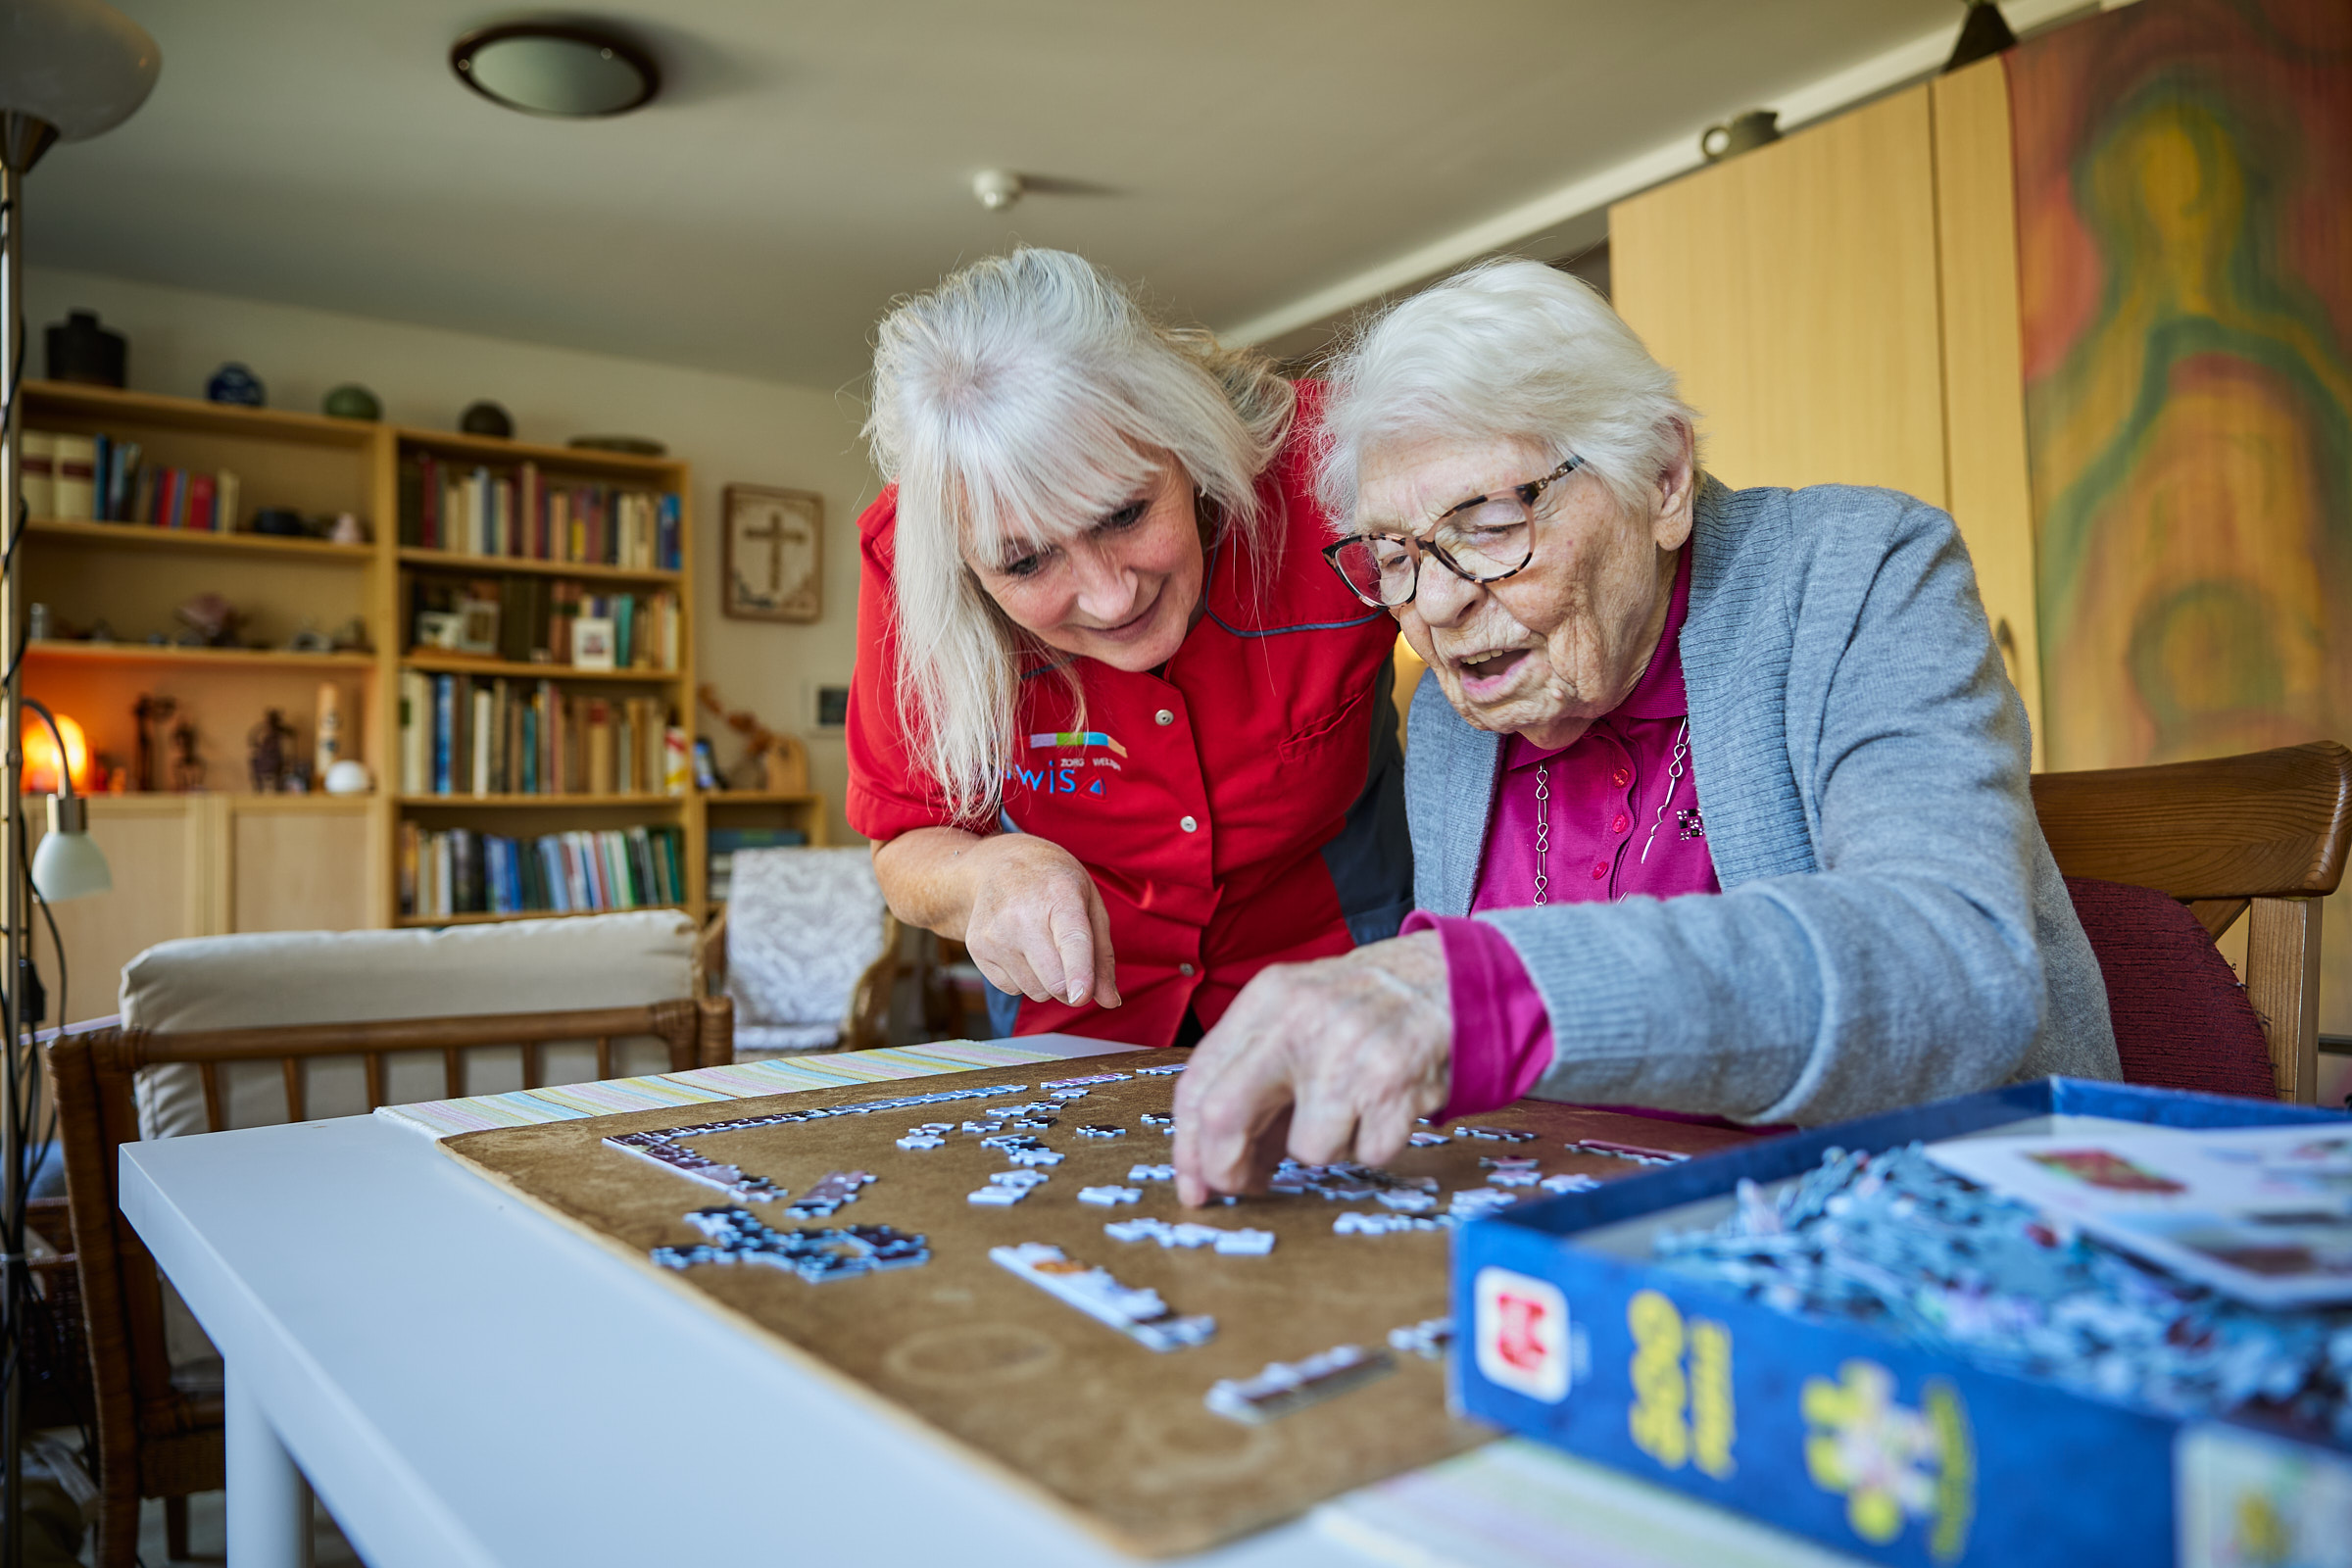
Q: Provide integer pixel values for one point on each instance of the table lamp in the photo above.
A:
(67, 865)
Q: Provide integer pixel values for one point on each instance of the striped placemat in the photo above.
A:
(779, 1075)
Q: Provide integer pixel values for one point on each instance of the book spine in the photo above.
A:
(38, 458)
(483, 730)
(445, 729)
(73, 488)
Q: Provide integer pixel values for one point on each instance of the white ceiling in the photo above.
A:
(809, 161)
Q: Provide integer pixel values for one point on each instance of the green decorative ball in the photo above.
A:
(352, 401)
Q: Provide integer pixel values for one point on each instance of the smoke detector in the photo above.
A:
(998, 188)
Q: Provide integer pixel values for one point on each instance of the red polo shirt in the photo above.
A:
(1242, 806)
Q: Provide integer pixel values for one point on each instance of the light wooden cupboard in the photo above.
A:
(206, 864)
(1841, 307)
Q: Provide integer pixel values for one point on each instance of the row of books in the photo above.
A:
(460, 871)
(543, 621)
(724, 841)
(464, 735)
(100, 478)
(478, 511)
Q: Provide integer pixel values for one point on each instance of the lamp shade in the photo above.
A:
(67, 865)
(82, 67)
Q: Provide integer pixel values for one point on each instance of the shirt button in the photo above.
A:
(1163, 717)
(1184, 968)
(1600, 868)
(1618, 827)
(1621, 778)
(1189, 825)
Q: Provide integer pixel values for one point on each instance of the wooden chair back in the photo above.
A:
(2262, 835)
(154, 1439)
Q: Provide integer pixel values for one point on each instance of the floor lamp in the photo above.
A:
(68, 70)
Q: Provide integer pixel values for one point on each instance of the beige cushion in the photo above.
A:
(299, 977)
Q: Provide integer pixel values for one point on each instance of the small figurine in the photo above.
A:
(268, 744)
(781, 761)
(149, 714)
(212, 619)
(187, 768)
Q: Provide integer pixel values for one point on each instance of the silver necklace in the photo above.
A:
(1674, 779)
(1674, 782)
(1542, 827)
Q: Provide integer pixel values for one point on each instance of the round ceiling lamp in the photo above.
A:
(545, 68)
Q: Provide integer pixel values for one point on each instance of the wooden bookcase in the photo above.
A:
(228, 858)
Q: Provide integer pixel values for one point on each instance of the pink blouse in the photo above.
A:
(1620, 817)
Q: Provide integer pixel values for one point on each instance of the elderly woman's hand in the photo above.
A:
(1327, 1061)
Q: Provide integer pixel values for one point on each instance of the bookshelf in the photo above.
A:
(539, 781)
(337, 862)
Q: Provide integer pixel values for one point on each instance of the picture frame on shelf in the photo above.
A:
(478, 627)
(593, 643)
(773, 553)
(439, 628)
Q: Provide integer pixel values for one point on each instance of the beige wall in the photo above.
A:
(733, 429)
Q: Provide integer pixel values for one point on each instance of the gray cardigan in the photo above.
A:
(1891, 928)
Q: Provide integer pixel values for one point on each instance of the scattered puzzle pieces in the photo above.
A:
(1140, 1314)
(738, 1236)
(1187, 1235)
(1107, 1197)
(1284, 1387)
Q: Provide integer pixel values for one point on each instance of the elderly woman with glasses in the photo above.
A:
(1718, 798)
(1113, 726)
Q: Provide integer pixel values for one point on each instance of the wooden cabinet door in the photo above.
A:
(302, 864)
(158, 850)
(1842, 308)
(1793, 291)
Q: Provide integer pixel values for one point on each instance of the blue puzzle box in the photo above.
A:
(1873, 1445)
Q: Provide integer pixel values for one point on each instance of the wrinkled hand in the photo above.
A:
(1038, 927)
(1327, 1061)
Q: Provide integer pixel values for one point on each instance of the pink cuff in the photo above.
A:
(1501, 1032)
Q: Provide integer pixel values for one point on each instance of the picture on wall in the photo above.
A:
(772, 555)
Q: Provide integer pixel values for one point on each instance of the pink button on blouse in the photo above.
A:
(1620, 817)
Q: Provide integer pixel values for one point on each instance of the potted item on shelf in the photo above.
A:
(86, 354)
(352, 401)
(487, 418)
(235, 383)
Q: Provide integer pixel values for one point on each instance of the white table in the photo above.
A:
(466, 1383)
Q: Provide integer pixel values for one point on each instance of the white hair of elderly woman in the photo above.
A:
(1014, 406)
(1508, 349)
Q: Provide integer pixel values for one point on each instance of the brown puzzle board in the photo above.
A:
(1075, 1410)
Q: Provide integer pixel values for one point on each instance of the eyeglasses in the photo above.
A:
(1485, 539)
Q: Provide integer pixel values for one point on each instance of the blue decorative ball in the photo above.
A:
(235, 383)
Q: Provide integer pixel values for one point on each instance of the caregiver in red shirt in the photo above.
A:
(1115, 726)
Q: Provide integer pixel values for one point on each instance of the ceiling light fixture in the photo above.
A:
(556, 68)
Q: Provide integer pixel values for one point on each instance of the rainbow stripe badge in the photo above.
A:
(1075, 740)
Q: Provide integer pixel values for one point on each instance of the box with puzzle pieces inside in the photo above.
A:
(2055, 1323)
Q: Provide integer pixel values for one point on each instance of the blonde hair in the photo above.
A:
(1506, 348)
(1014, 406)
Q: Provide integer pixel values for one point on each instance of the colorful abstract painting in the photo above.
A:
(2184, 229)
